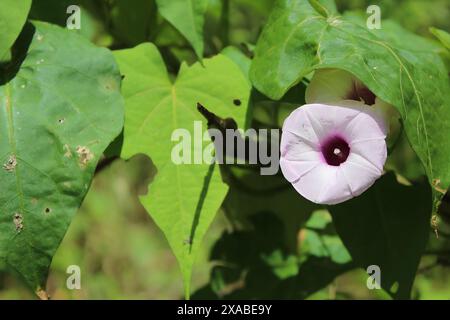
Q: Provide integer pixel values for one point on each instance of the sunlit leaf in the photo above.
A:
(183, 199)
(13, 15)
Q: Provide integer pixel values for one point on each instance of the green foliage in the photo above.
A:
(444, 39)
(55, 12)
(297, 40)
(62, 121)
(131, 24)
(276, 236)
(184, 198)
(260, 251)
(319, 239)
(13, 15)
(188, 17)
(107, 23)
(387, 226)
(443, 36)
(59, 112)
(239, 58)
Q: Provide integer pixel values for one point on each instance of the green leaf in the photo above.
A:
(387, 226)
(260, 251)
(274, 225)
(57, 114)
(319, 239)
(13, 15)
(187, 16)
(442, 36)
(55, 12)
(393, 33)
(398, 37)
(239, 58)
(252, 192)
(444, 39)
(297, 41)
(183, 199)
(320, 9)
(133, 22)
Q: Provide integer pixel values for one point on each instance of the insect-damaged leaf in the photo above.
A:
(183, 199)
(57, 115)
(399, 67)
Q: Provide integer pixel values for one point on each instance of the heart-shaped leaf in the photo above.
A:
(57, 115)
(184, 198)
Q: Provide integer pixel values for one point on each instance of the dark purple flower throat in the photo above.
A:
(335, 150)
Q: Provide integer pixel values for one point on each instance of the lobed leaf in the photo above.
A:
(183, 199)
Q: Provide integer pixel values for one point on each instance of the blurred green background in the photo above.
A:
(253, 249)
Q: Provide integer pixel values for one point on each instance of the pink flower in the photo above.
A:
(333, 85)
(332, 153)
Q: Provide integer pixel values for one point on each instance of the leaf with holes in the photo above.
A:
(297, 40)
(13, 15)
(184, 198)
(187, 16)
(59, 110)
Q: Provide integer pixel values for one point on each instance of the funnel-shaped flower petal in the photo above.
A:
(332, 85)
(331, 153)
